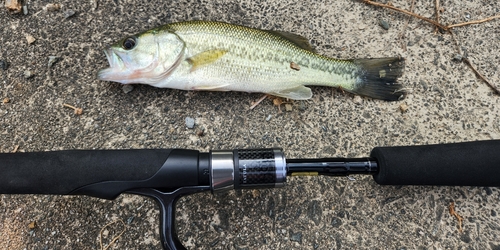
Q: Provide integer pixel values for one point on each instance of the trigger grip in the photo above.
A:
(166, 201)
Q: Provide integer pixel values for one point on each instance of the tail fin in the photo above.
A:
(378, 78)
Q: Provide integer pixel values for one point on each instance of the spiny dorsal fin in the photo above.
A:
(298, 40)
(205, 58)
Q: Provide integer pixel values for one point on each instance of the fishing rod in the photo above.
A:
(168, 174)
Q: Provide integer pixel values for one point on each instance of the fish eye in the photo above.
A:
(129, 43)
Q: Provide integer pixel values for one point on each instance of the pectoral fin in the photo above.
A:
(205, 58)
(296, 93)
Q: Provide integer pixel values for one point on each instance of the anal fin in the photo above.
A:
(212, 87)
(295, 93)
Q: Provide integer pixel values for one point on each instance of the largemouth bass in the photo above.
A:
(205, 55)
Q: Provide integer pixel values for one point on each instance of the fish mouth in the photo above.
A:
(126, 72)
(115, 66)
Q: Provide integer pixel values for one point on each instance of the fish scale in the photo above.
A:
(202, 36)
(260, 39)
(207, 55)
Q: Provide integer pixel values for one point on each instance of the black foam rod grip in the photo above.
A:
(457, 164)
(99, 173)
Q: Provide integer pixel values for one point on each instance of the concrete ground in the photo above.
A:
(446, 103)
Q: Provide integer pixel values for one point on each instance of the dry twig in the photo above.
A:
(437, 14)
(445, 28)
(402, 35)
(278, 101)
(457, 44)
(115, 238)
(258, 101)
(451, 208)
(467, 61)
(78, 111)
(406, 12)
(473, 22)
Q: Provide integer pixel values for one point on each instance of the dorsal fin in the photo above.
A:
(298, 40)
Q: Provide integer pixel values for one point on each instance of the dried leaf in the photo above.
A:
(14, 6)
(294, 66)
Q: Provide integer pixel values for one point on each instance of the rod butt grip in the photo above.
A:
(457, 164)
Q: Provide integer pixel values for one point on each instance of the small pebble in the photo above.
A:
(437, 89)
(255, 193)
(189, 122)
(68, 13)
(424, 85)
(488, 190)
(127, 88)
(52, 7)
(28, 74)
(302, 106)
(94, 4)
(288, 107)
(357, 100)
(268, 117)
(336, 222)
(458, 57)
(403, 107)
(105, 233)
(415, 41)
(30, 39)
(25, 10)
(4, 65)
(384, 24)
(52, 60)
(5, 100)
(214, 243)
(130, 219)
(297, 237)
